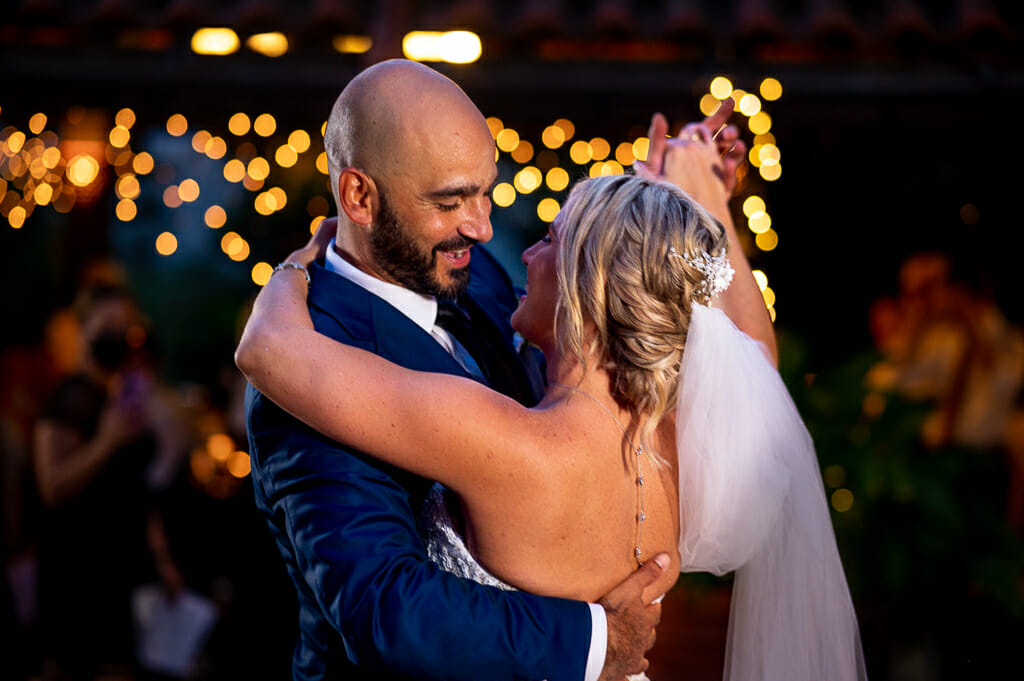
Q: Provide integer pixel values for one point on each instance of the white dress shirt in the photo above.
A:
(422, 310)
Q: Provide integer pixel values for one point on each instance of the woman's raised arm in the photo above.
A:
(442, 427)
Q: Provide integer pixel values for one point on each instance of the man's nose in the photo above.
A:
(478, 225)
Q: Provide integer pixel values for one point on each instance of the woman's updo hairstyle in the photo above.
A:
(625, 285)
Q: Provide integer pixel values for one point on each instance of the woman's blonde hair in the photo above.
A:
(626, 285)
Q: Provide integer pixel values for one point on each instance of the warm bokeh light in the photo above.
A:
(14, 142)
(299, 140)
(760, 123)
(258, 169)
(219, 446)
(166, 243)
(557, 179)
(215, 217)
(580, 152)
(321, 163)
(771, 172)
(17, 216)
(143, 163)
(503, 194)
(188, 190)
(217, 41)
(261, 272)
(317, 205)
(761, 278)
(264, 125)
(969, 214)
(767, 241)
(834, 475)
(279, 196)
(286, 156)
(119, 136)
(126, 210)
(51, 157)
(216, 148)
(272, 44)
(238, 465)
(568, 129)
(507, 139)
(82, 170)
(234, 170)
(37, 123)
(709, 104)
(769, 296)
(199, 141)
(238, 124)
(771, 89)
(624, 154)
(171, 197)
(759, 222)
(547, 209)
(352, 44)
(127, 187)
(125, 117)
(553, 137)
(454, 47)
(251, 184)
(495, 125)
(42, 194)
(749, 105)
(842, 500)
(264, 204)
(641, 146)
(599, 148)
(227, 240)
(753, 204)
(177, 125)
(315, 222)
(523, 152)
(721, 87)
(528, 179)
(768, 154)
(239, 250)
(606, 168)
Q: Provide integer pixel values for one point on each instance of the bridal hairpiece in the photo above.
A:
(717, 271)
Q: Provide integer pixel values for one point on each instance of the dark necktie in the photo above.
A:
(479, 338)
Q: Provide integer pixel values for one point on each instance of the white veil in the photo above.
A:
(752, 500)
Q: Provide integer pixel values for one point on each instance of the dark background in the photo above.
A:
(894, 116)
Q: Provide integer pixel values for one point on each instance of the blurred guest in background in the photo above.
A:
(105, 444)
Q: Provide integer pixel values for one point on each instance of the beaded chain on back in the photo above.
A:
(640, 517)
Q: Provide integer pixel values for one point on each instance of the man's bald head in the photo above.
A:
(386, 117)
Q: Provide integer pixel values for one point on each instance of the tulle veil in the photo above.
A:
(752, 501)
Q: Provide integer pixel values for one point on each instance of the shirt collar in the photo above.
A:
(419, 307)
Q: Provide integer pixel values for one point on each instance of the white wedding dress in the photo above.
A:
(447, 549)
(751, 502)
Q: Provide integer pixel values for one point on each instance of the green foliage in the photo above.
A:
(929, 557)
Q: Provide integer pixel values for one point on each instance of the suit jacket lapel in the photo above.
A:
(382, 328)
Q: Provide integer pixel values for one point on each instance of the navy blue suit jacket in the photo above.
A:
(369, 600)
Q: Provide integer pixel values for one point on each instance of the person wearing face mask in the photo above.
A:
(94, 453)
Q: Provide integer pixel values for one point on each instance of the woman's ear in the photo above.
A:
(357, 194)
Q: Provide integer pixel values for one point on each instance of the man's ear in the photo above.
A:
(357, 193)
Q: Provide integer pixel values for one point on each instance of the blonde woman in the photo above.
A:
(633, 449)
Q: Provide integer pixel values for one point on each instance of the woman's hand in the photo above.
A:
(692, 163)
(317, 245)
(730, 148)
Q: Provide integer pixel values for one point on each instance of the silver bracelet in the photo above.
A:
(289, 265)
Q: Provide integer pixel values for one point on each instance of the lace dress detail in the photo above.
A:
(445, 546)
(447, 549)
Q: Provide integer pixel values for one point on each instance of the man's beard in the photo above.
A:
(395, 251)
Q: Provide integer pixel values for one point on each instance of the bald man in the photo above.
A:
(411, 164)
